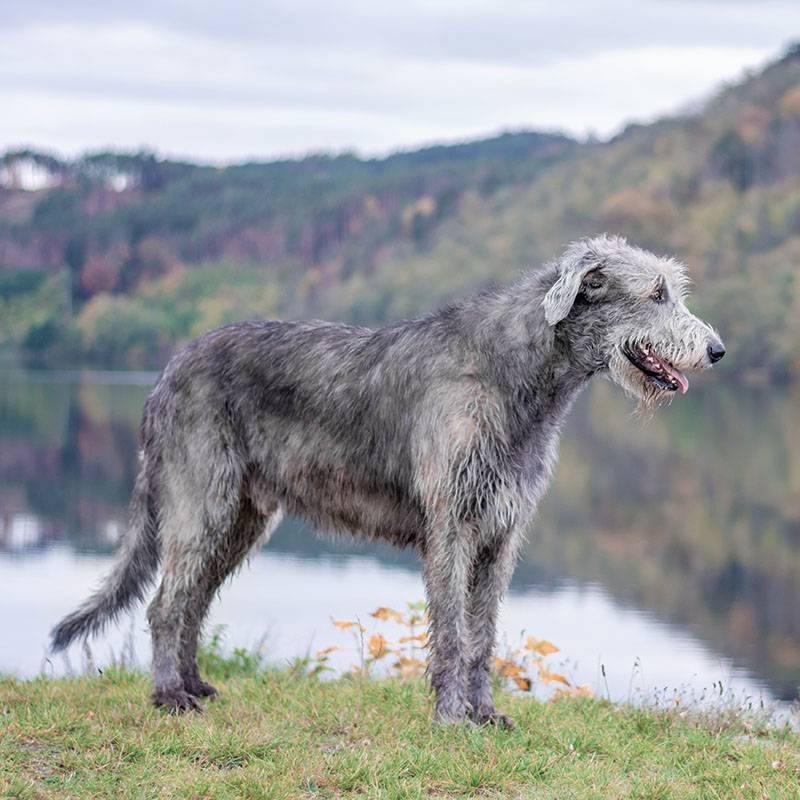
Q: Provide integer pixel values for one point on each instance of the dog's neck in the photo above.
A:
(535, 362)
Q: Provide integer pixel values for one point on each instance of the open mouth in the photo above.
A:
(657, 370)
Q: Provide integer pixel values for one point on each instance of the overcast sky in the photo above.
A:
(222, 81)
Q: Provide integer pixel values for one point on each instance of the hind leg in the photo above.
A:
(186, 560)
(251, 528)
(165, 614)
(194, 523)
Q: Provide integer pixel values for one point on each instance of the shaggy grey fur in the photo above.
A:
(438, 433)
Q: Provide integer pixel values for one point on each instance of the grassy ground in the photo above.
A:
(281, 734)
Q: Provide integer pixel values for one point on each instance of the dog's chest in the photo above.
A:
(533, 467)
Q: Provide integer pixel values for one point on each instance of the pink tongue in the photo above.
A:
(678, 377)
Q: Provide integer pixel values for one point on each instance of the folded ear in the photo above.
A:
(573, 267)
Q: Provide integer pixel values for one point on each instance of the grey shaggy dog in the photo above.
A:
(438, 433)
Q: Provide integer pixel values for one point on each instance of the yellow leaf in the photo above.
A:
(377, 646)
(584, 690)
(507, 668)
(345, 624)
(384, 613)
(420, 637)
(409, 667)
(523, 683)
(326, 651)
(549, 677)
(540, 646)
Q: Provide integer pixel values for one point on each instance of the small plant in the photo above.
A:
(407, 649)
(241, 662)
(525, 666)
(522, 669)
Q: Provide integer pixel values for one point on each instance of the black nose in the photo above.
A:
(715, 351)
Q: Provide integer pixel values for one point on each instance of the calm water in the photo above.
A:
(667, 551)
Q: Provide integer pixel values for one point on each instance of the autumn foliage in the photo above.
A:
(522, 669)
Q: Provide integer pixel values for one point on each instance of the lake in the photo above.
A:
(665, 558)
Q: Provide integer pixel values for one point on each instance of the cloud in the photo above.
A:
(266, 79)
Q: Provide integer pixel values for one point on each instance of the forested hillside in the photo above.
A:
(114, 259)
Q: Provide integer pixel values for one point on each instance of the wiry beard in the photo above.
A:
(635, 384)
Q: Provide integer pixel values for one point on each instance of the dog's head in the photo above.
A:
(623, 310)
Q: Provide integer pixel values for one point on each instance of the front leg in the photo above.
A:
(491, 573)
(447, 560)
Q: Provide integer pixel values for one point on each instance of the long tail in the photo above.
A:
(127, 582)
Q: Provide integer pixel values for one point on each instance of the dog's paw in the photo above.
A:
(452, 716)
(494, 717)
(199, 688)
(177, 702)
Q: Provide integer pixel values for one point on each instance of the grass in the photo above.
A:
(285, 734)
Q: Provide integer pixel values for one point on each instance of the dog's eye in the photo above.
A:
(593, 279)
(659, 294)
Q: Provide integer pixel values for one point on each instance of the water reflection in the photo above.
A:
(676, 539)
